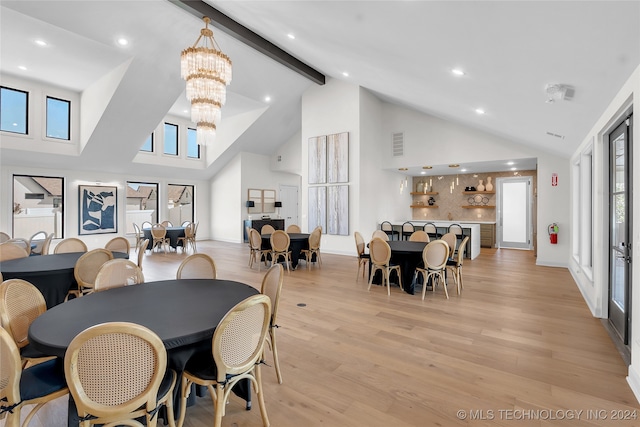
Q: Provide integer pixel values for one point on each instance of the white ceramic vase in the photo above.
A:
(480, 186)
(489, 186)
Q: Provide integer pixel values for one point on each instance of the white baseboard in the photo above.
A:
(634, 381)
(551, 264)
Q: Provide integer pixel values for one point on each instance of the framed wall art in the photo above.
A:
(317, 207)
(318, 160)
(98, 209)
(338, 157)
(338, 210)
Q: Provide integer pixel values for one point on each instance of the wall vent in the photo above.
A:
(397, 140)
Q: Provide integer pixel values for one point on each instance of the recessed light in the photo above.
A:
(514, 169)
(463, 170)
(423, 173)
(344, 73)
(457, 72)
(510, 163)
(479, 111)
(267, 99)
(185, 111)
(41, 43)
(22, 67)
(291, 36)
(122, 41)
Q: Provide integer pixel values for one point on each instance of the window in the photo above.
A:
(14, 106)
(148, 144)
(193, 149)
(180, 203)
(171, 139)
(142, 204)
(37, 205)
(58, 118)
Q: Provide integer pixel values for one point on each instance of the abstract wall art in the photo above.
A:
(98, 209)
(317, 207)
(338, 210)
(338, 157)
(318, 160)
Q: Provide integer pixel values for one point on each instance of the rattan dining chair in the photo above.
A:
(9, 251)
(363, 258)
(139, 235)
(4, 237)
(197, 266)
(117, 372)
(380, 253)
(257, 254)
(35, 385)
(314, 248)
(237, 347)
(280, 247)
(159, 235)
(419, 236)
(455, 265)
(46, 245)
(380, 234)
(118, 244)
(86, 270)
(142, 249)
(117, 273)
(70, 244)
(267, 229)
(189, 238)
(36, 241)
(272, 287)
(167, 223)
(451, 239)
(293, 228)
(20, 304)
(146, 225)
(434, 257)
(185, 223)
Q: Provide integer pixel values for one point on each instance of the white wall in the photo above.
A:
(288, 157)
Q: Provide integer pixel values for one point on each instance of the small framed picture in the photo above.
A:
(98, 209)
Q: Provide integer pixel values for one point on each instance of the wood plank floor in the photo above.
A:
(519, 347)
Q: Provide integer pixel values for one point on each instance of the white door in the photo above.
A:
(514, 212)
(289, 209)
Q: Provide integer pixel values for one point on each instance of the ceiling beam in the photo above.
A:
(221, 21)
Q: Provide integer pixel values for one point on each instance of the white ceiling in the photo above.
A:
(403, 51)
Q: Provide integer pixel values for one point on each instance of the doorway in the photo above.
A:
(514, 219)
(289, 209)
(620, 233)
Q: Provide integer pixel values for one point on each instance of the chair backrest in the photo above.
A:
(38, 240)
(158, 231)
(435, 254)
(293, 228)
(185, 223)
(280, 241)
(70, 244)
(46, 245)
(10, 369)
(238, 340)
(267, 229)
(88, 265)
(380, 234)
(419, 236)
(450, 238)
(408, 227)
(167, 223)
(4, 237)
(314, 239)
(197, 266)
(10, 251)
(118, 244)
(23, 243)
(255, 240)
(190, 230)
(455, 229)
(117, 273)
(137, 230)
(115, 368)
(379, 251)
(20, 304)
(146, 224)
(141, 250)
(461, 249)
(430, 227)
(359, 242)
(386, 226)
(271, 287)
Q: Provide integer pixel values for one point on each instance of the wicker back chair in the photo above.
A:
(189, 238)
(23, 243)
(167, 223)
(141, 251)
(314, 247)
(451, 239)
(46, 245)
(380, 254)
(272, 287)
(434, 257)
(257, 254)
(9, 251)
(118, 244)
(146, 225)
(363, 257)
(293, 228)
(159, 234)
(197, 266)
(380, 234)
(185, 223)
(86, 270)
(419, 236)
(38, 240)
(139, 235)
(267, 229)
(4, 237)
(237, 346)
(36, 385)
(280, 247)
(70, 244)
(117, 372)
(455, 265)
(117, 273)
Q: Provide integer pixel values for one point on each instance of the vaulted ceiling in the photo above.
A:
(401, 51)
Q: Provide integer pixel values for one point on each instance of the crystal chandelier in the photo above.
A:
(207, 72)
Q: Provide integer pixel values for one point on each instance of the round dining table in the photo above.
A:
(173, 233)
(297, 242)
(408, 255)
(51, 274)
(184, 313)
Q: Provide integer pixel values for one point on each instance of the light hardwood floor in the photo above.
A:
(519, 342)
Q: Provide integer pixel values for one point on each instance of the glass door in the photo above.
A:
(620, 229)
(514, 212)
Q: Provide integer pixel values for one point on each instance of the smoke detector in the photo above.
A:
(558, 92)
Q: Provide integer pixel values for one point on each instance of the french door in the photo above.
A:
(515, 222)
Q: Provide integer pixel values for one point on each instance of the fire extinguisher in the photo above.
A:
(553, 233)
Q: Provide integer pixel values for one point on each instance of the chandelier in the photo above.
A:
(207, 72)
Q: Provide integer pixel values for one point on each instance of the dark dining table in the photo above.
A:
(297, 242)
(183, 313)
(173, 233)
(51, 274)
(408, 255)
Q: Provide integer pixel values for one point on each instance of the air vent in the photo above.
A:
(555, 135)
(398, 144)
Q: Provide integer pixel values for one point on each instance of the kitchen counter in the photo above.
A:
(469, 228)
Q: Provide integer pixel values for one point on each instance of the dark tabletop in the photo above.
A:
(51, 274)
(297, 242)
(173, 233)
(408, 255)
